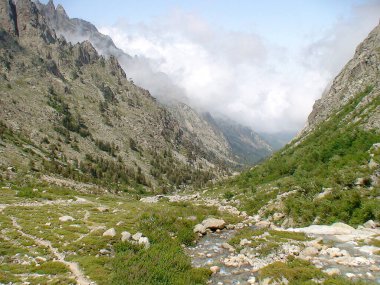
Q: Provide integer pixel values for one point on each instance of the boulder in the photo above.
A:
(214, 224)
(370, 224)
(66, 219)
(110, 233)
(125, 236)
(215, 269)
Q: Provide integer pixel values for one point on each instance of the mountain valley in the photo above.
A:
(109, 180)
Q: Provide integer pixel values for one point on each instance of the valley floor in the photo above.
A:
(55, 235)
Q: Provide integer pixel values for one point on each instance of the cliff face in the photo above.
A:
(360, 72)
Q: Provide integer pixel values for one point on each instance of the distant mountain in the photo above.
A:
(247, 146)
(221, 143)
(279, 139)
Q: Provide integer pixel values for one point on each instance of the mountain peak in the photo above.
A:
(60, 10)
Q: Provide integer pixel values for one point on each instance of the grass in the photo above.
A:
(332, 156)
(166, 224)
(301, 272)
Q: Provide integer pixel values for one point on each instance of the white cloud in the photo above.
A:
(241, 75)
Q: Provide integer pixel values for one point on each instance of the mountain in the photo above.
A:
(238, 149)
(247, 146)
(70, 111)
(331, 171)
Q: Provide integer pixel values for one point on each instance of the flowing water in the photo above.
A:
(209, 252)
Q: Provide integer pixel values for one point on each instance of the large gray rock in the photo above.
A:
(214, 224)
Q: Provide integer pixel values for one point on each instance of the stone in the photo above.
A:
(110, 233)
(323, 194)
(350, 275)
(137, 236)
(144, 241)
(372, 164)
(252, 280)
(191, 218)
(228, 246)
(66, 219)
(263, 224)
(215, 269)
(244, 242)
(199, 228)
(104, 251)
(332, 271)
(103, 209)
(278, 216)
(370, 224)
(214, 224)
(310, 251)
(125, 236)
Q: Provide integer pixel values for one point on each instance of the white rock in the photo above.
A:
(125, 236)
(332, 271)
(244, 242)
(372, 164)
(137, 236)
(199, 228)
(370, 224)
(263, 224)
(109, 233)
(215, 269)
(252, 280)
(350, 275)
(103, 209)
(310, 251)
(66, 219)
(144, 241)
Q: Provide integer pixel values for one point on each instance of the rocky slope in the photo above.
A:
(360, 72)
(233, 148)
(68, 110)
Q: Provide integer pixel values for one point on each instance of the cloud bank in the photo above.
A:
(242, 75)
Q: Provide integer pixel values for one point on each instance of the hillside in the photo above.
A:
(330, 172)
(68, 110)
(215, 138)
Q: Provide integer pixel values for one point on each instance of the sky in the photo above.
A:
(261, 63)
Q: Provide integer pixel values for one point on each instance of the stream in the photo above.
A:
(210, 252)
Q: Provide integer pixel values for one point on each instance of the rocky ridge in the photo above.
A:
(216, 138)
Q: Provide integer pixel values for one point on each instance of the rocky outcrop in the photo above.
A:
(8, 18)
(359, 73)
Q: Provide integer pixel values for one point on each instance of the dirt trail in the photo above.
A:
(77, 273)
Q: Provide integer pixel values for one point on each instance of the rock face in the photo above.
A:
(359, 73)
